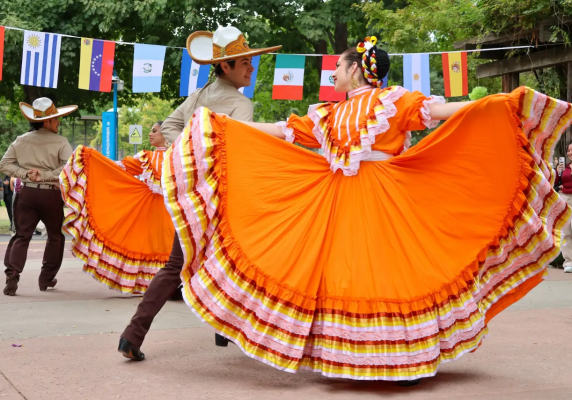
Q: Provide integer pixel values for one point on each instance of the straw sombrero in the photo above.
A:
(225, 44)
(43, 109)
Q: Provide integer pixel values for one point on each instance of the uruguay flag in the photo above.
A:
(249, 91)
(40, 59)
(193, 75)
(416, 73)
(148, 68)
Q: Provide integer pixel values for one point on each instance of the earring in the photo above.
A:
(354, 83)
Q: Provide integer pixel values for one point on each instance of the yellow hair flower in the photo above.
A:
(373, 40)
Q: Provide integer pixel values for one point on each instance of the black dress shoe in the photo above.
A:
(408, 383)
(221, 341)
(45, 286)
(130, 351)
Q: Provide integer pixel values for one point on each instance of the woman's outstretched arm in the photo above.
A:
(265, 127)
(444, 111)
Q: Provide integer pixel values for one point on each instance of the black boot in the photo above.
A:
(45, 286)
(11, 286)
(129, 350)
(177, 294)
(408, 383)
(220, 341)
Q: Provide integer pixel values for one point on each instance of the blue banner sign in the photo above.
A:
(108, 135)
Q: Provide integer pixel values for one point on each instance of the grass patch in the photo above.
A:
(4, 227)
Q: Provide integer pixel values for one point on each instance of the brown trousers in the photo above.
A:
(161, 288)
(30, 207)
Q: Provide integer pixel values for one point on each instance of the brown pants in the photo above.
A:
(30, 207)
(162, 286)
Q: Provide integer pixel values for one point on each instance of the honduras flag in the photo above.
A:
(148, 68)
(193, 75)
(40, 59)
(416, 73)
(249, 91)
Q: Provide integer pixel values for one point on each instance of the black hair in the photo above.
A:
(158, 123)
(34, 126)
(352, 56)
(380, 63)
(218, 68)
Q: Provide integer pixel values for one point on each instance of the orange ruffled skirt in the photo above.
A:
(383, 275)
(121, 229)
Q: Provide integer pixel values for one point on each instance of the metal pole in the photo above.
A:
(135, 148)
(116, 118)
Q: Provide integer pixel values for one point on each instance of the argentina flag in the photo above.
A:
(148, 63)
(40, 59)
(416, 73)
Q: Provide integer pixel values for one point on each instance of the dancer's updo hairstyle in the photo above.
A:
(374, 62)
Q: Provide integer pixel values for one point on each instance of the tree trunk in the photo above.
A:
(31, 93)
(321, 47)
(341, 37)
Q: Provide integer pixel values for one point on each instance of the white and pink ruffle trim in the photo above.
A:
(287, 131)
(148, 175)
(381, 125)
(426, 111)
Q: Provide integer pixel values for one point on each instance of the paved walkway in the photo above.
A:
(69, 338)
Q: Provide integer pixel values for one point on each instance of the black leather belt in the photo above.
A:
(41, 186)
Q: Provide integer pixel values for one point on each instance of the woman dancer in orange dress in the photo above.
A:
(120, 227)
(347, 263)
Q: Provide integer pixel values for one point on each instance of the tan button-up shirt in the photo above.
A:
(221, 96)
(43, 150)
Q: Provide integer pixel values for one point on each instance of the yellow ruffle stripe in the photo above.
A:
(116, 267)
(395, 341)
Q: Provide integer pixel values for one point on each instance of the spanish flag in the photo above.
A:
(455, 74)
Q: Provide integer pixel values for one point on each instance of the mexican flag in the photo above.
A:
(288, 77)
(327, 92)
(455, 74)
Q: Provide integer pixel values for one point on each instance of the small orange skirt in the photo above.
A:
(121, 229)
(383, 275)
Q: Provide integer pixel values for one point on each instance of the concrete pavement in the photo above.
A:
(69, 339)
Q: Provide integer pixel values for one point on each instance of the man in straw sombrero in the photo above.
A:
(37, 158)
(231, 56)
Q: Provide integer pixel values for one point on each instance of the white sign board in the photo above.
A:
(135, 134)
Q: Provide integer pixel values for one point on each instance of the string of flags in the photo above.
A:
(41, 59)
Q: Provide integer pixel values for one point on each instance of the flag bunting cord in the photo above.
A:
(308, 55)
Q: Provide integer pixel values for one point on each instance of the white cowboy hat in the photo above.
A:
(225, 44)
(43, 109)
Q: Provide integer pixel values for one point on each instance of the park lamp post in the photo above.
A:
(118, 85)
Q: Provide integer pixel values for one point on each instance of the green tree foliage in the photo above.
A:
(166, 22)
(306, 26)
(514, 16)
(435, 25)
(12, 125)
(146, 113)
